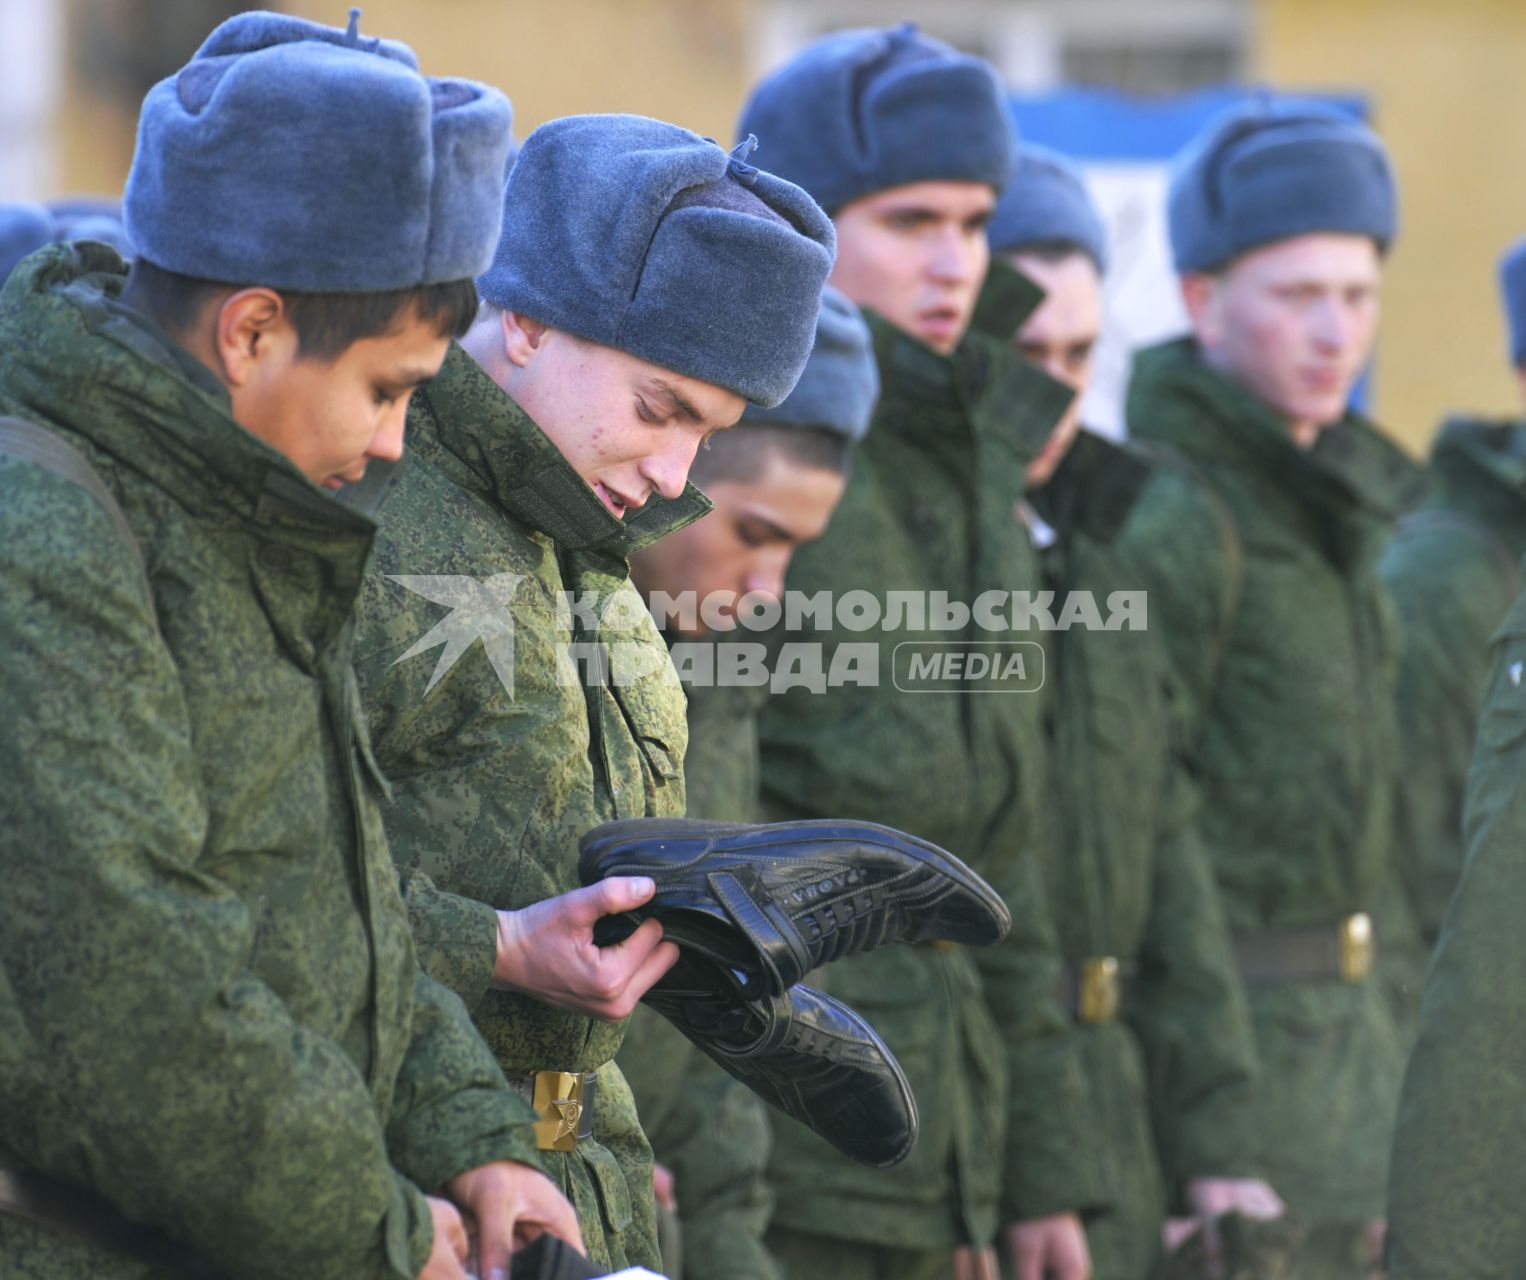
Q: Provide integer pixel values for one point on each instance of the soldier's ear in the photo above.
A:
(253, 334)
(522, 337)
(1200, 294)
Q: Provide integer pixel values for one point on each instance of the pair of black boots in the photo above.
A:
(753, 910)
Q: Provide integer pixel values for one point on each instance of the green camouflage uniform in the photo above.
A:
(1452, 570)
(1455, 1197)
(705, 1126)
(493, 787)
(1005, 1129)
(1128, 878)
(210, 1007)
(1297, 751)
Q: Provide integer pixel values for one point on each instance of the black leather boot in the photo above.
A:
(767, 903)
(805, 1053)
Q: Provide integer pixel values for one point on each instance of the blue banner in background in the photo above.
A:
(1124, 145)
(1100, 124)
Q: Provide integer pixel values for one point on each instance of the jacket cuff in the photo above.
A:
(461, 1131)
(456, 938)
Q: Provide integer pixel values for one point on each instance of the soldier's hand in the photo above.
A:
(511, 1204)
(1212, 1198)
(975, 1264)
(547, 950)
(663, 1188)
(1052, 1248)
(447, 1256)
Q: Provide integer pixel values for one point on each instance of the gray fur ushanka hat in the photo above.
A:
(300, 156)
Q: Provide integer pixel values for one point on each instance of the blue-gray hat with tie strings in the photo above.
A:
(300, 156)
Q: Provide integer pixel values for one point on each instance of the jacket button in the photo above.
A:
(276, 558)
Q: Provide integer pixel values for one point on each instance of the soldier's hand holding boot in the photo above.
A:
(547, 950)
(510, 1205)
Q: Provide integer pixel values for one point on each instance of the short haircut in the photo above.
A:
(327, 324)
(741, 454)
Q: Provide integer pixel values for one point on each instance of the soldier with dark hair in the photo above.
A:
(218, 1054)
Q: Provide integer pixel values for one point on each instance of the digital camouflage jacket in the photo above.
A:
(1127, 877)
(504, 745)
(1291, 688)
(1006, 1132)
(1453, 569)
(210, 1008)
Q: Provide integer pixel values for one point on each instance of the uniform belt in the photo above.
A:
(563, 1100)
(78, 1212)
(1342, 951)
(1095, 991)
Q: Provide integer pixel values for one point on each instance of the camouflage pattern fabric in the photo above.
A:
(1006, 1133)
(493, 785)
(210, 1011)
(1297, 753)
(1455, 1197)
(1452, 567)
(1127, 877)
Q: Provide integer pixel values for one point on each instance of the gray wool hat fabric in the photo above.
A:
(841, 383)
(861, 111)
(648, 238)
(300, 156)
(1047, 203)
(1513, 293)
(24, 228)
(1274, 170)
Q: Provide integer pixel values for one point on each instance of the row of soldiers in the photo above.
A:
(293, 938)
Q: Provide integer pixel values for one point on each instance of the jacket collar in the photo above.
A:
(475, 431)
(1093, 490)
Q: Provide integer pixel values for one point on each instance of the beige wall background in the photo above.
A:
(1445, 77)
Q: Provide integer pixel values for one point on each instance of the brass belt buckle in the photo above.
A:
(1356, 947)
(1097, 996)
(558, 1100)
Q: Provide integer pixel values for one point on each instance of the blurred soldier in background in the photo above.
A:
(1454, 570)
(1149, 972)
(906, 144)
(1455, 1191)
(1282, 635)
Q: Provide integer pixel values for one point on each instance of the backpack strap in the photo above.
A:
(34, 444)
(1231, 547)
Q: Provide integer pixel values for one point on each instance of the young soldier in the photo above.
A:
(906, 143)
(1453, 568)
(1166, 1040)
(645, 288)
(774, 480)
(217, 1052)
(1263, 580)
